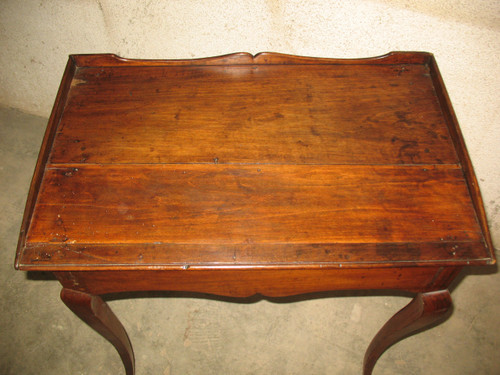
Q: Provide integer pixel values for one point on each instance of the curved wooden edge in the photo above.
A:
(245, 283)
(423, 311)
(463, 155)
(245, 58)
(394, 57)
(110, 59)
(43, 156)
(97, 314)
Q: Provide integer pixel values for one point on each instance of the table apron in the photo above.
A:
(267, 282)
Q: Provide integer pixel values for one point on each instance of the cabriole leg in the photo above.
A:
(97, 314)
(424, 310)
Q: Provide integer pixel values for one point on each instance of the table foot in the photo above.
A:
(424, 310)
(97, 314)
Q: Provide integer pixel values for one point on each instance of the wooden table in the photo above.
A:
(241, 174)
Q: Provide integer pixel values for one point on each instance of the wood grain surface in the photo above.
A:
(240, 175)
(324, 114)
(245, 160)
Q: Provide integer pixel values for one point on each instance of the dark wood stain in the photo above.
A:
(269, 174)
(237, 151)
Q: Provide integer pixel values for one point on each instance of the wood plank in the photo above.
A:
(241, 204)
(224, 205)
(287, 114)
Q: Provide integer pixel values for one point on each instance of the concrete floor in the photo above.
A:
(191, 335)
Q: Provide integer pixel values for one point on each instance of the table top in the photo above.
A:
(253, 161)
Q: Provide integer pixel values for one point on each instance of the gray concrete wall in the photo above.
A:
(37, 36)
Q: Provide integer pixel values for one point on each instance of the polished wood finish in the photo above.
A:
(459, 143)
(246, 214)
(97, 314)
(266, 281)
(423, 311)
(348, 114)
(240, 175)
